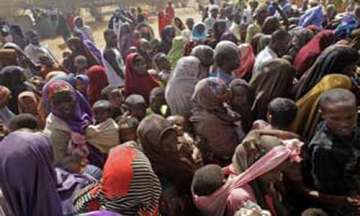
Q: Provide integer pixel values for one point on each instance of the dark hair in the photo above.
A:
(207, 180)
(102, 104)
(224, 51)
(283, 112)
(23, 121)
(279, 35)
(337, 95)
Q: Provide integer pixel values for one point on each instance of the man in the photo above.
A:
(210, 21)
(279, 45)
(260, 15)
(85, 30)
(112, 60)
(35, 50)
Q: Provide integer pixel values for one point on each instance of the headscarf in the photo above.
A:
(80, 49)
(347, 25)
(247, 60)
(309, 53)
(82, 115)
(27, 178)
(5, 113)
(98, 81)
(167, 162)
(308, 116)
(177, 51)
(333, 60)
(196, 34)
(216, 204)
(129, 185)
(166, 39)
(274, 81)
(13, 78)
(300, 37)
(313, 16)
(136, 83)
(21, 102)
(181, 85)
(206, 56)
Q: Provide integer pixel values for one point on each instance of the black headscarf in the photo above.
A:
(333, 60)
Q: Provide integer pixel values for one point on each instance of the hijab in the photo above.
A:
(301, 36)
(308, 53)
(198, 35)
(333, 60)
(129, 185)
(27, 178)
(177, 51)
(274, 81)
(181, 85)
(137, 83)
(34, 100)
(247, 61)
(98, 81)
(80, 49)
(13, 77)
(308, 115)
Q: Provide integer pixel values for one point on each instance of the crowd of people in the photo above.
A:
(251, 111)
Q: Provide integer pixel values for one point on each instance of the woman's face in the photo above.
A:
(64, 104)
(139, 65)
(28, 105)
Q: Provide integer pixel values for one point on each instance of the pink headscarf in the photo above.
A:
(247, 60)
(216, 203)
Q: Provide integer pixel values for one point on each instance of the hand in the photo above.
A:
(353, 201)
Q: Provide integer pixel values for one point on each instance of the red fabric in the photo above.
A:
(98, 81)
(137, 83)
(170, 12)
(270, 202)
(162, 21)
(247, 60)
(114, 186)
(308, 54)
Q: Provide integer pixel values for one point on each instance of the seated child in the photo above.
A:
(186, 144)
(127, 129)
(135, 106)
(158, 103)
(334, 152)
(281, 114)
(104, 135)
(81, 64)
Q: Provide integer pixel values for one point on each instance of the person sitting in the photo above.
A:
(280, 115)
(334, 151)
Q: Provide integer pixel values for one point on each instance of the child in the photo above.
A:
(281, 114)
(334, 151)
(47, 65)
(127, 129)
(102, 111)
(136, 106)
(116, 99)
(81, 64)
(158, 103)
(23, 121)
(163, 67)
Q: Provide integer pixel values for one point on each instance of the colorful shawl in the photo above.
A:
(177, 51)
(98, 81)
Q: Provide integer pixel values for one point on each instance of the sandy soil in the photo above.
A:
(57, 45)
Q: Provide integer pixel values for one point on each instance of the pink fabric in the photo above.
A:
(247, 60)
(232, 193)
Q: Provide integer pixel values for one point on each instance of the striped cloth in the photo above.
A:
(129, 186)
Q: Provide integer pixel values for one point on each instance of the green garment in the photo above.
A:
(177, 51)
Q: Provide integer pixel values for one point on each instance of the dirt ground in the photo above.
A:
(57, 46)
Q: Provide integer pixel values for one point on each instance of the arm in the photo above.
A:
(110, 57)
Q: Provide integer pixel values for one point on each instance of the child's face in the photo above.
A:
(340, 118)
(127, 134)
(29, 105)
(164, 64)
(101, 114)
(157, 101)
(116, 98)
(178, 122)
(140, 65)
(239, 97)
(138, 111)
(81, 65)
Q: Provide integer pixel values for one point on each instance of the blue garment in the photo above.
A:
(6, 114)
(347, 25)
(313, 16)
(227, 78)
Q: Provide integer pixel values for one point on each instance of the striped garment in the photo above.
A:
(129, 186)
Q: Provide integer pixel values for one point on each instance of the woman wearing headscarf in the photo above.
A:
(28, 102)
(300, 37)
(247, 60)
(335, 59)
(275, 80)
(177, 51)
(125, 40)
(137, 79)
(66, 124)
(179, 26)
(198, 37)
(308, 115)
(168, 158)
(82, 84)
(217, 126)
(5, 113)
(206, 56)
(13, 77)
(235, 192)
(181, 86)
(27, 178)
(98, 81)
(167, 37)
(78, 48)
(309, 53)
(129, 185)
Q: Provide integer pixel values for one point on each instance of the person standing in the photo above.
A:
(35, 50)
(112, 60)
(85, 30)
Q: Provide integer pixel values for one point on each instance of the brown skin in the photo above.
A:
(340, 118)
(178, 123)
(102, 114)
(127, 134)
(29, 105)
(109, 54)
(139, 65)
(281, 47)
(64, 103)
(116, 98)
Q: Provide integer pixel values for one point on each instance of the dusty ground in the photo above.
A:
(57, 45)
